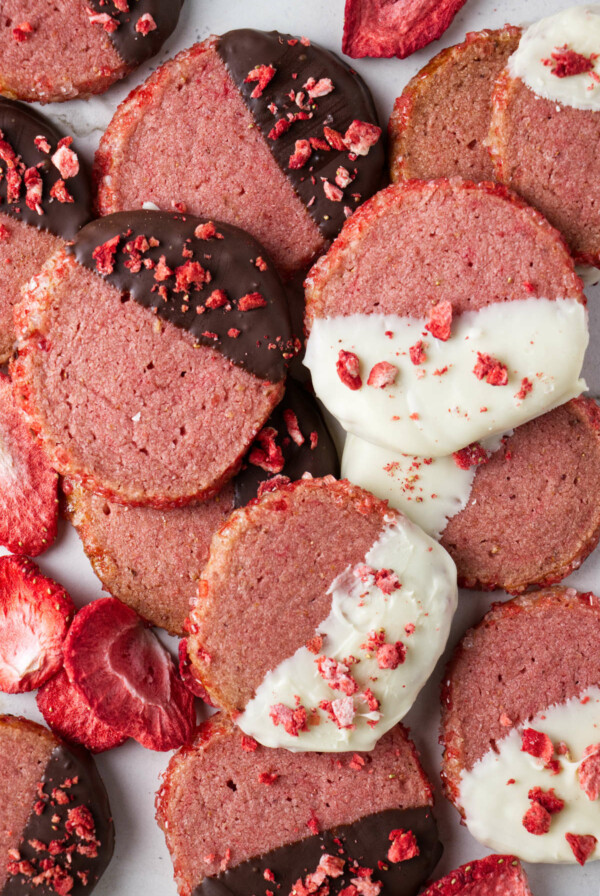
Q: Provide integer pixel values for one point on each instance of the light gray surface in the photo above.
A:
(141, 863)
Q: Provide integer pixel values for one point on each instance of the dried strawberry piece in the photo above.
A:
(537, 744)
(583, 845)
(35, 614)
(417, 353)
(589, 772)
(264, 74)
(104, 255)
(207, 231)
(69, 716)
(495, 874)
(382, 374)
(387, 580)
(335, 139)
(293, 720)
(493, 371)
(187, 676)
(378, 28)
(564, 63)
(162, 271)
(280, 127)
(33, 190)
(251, 301)
(547, 799)
(301, 155)
(269, 456)
(337, 675)
(404, 846)
(318, 88)
(348, 369)
(28, 485)
(65, 159)
(343, 178)
(102, 18)
(59, 191)
(341, 711)
(190, 274)
(128, 678)
(361, 136)
(333, 193)
(526, 387)
(440, 321)
(145, 24)
(471, 456)
(390, 656)
(14, 181)
(293, 427)
(537, 819)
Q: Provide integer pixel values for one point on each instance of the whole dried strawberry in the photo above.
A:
(28, 485)
(35, 614)
(501, 875)
(127, 677)
(69, 716)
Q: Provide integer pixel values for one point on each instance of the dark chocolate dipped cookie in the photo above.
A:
(163, 350)
(75, 48)
(269, 132)
(56, 829)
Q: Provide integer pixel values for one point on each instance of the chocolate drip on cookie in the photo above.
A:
(42, 180)
(362, 846)
(137, 28)
(305, 101)
(210, 279)
(68, 840)
(294, 441)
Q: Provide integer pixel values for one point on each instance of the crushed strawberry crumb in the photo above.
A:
(404, 846)
(59, 191)
(417, 353)
(251, 301)
(145, 24)
(564, 62)
(348, 369)
(526, 387)
(268, 456)
(589, 772)
(293, 720)
(387, 580)
(301, 155)
(537, 744)
(65, 159)
(471, 456)
(104, 255)
(493, 371)
(382, 374)
(263, 75)
(583, 845)
(361, 136)
(440, 321)
(390, 656)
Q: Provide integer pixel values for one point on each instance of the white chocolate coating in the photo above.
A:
(426, 600)
(494, 810)
(429, 414)
(577, 27)
(428, 490)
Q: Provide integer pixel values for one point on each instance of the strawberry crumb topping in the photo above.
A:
(589, 772)
(382, 374)
(263, 74)
(473, 455)
(269, 456)
(104, 255)
(337, 675)
(145, 24)
(361, 136)
(333, 193)
(490, 369)
(207, 231)
(65, 159)
(417, 353)
(440, 321)
(526, 387)
(537, 744)
(564, 63)
(537, 819)
(390, 656)
(293, 720)
(59, 191)
(301, 155)
(583, 845)
(387, 580)
(251, 301)
(293, 428)
(547, 799)
(404, 846)
(348, 369)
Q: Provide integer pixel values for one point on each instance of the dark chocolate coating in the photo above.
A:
(264, 344)
(133, 47)
(64, 763)
(245, 49)
(20, 125)
(366, 841)
(319, 461)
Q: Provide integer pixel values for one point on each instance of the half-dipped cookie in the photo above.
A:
(514, 512)
(320, 615)
(445, 312)
(239, 818)
(263, 130)
(56, 51)
(521, 698)
(56, 829)
(121, 541)
(151, 354)
(44, 200)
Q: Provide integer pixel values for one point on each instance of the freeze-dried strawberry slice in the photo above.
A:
(69, 716)
(28, 485)
(35, 614)
(502, 875)
(380, 28)
(127, 676)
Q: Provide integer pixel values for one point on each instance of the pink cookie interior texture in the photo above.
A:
(533, 512)
(331, 525)
(132, 409)
(64, 55)
(212, 792)
(546, 151)
(416, 243)
(526, 655)
(440, 121)
(189, 111)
